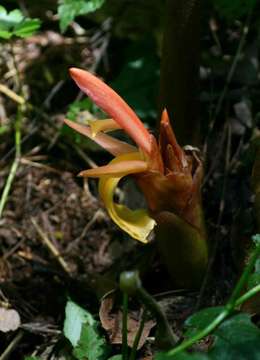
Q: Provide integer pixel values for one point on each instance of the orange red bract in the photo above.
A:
(168, 176)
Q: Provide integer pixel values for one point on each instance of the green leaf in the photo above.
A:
(116, 357)
(15, 23)
(69, 9)
(77, 107)
(91, 345)
(5, 34)
(81, 330)
(236, 339)
(182, 356)
(31, 358)
(256, 238)
(235, 8)
(75, 318)
(201, 319)
(27, 28)
(11, 19)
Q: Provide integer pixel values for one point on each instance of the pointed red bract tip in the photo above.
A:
(111, 103)
(165, 117)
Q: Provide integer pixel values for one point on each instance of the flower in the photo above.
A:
(168, 176)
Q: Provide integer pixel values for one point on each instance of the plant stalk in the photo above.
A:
(233, 302)
(124, 327)
(179, 85)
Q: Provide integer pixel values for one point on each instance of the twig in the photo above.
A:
(219, 220)
(11, 94)
(11, 347)
(98, 215)
(15, 164)
(50, 246)
(18, 122)
(229, 78)
(14, 248)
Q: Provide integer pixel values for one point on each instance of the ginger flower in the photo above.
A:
(168, 176)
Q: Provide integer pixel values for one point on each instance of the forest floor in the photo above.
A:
(56, 239)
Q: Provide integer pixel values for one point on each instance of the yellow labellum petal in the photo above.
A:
(137, 223)
(102, 125)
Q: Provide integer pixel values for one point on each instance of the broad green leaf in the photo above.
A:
(81, 330)
(11, 19)
(116, 357)
(201, 319)
(236, 339)
(69, 9)
(27, 28)
(75, 318)
(31, 358)
(15, 23)
(182, 356)
(5, 34)
(91, 345)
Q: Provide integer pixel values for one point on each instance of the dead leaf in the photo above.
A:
(9, 320)
(112, 323)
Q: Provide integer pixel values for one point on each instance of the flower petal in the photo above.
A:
(117, 169)
(137, 223)
(114, 146)
(110, 102)
(103, 125)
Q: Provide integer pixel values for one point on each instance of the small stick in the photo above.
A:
(8, 184)
(11, 94)
(50, 246)
(98, 215)
(11, 347)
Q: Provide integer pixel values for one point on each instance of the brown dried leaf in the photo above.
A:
(112, 323)
(9, 320)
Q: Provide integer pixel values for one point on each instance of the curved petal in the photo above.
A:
(110, 102)
(117, 169)
(137, 223)
(114, 146)
(105, 125)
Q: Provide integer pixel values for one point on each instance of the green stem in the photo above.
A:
(244, 277)
(138, 337)
(164, 331)
(130, 283)
(248, 295)
(229, 308)
(124, 327)
(15, 164)
(17, 136)
(186, 344)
